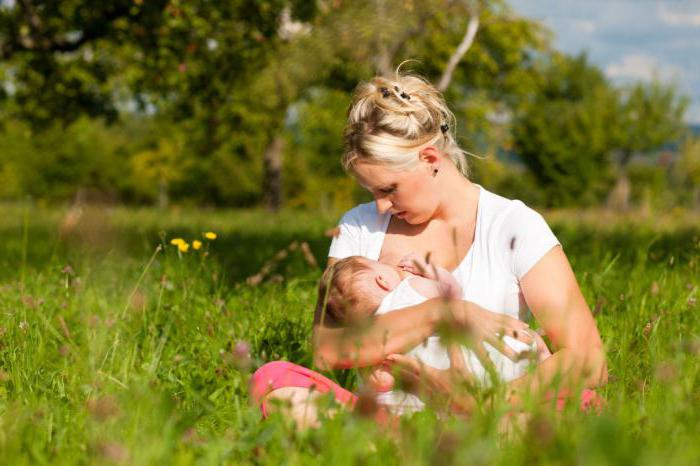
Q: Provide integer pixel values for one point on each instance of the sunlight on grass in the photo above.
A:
(118, 347)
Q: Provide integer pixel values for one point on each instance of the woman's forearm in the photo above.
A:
(565, 371)
(364, 345)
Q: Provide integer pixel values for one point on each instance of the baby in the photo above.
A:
(356, 288)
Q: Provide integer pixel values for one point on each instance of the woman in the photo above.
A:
(400, 146)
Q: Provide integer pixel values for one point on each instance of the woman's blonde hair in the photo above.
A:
(391, 121)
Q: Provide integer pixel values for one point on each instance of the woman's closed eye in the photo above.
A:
(388, 190)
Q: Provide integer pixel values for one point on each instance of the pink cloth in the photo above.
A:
(589, 401)
(279, 374)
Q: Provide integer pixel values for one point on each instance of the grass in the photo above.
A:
(115, 348)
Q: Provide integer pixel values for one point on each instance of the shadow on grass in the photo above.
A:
(244, 247)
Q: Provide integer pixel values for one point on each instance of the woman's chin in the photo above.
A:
(414, 219)
(411, 218)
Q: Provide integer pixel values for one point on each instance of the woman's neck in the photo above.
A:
(460, 198)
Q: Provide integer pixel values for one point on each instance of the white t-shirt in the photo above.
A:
(509, 239)
(432, 353)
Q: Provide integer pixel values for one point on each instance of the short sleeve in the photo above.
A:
(360, 233)
(527, 236)
(348, 239)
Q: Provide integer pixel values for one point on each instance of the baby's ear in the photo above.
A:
(383, 284)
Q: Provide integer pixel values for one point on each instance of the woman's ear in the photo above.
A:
(382, 283)
(429, 155)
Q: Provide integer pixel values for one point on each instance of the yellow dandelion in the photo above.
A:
(196, 244)
(177, 241)
(183, 247)
(210, 235)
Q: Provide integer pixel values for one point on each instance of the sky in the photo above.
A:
(629, 40)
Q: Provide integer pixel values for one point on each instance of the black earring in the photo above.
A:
(435, 170)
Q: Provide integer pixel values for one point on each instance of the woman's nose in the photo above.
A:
(383, 205)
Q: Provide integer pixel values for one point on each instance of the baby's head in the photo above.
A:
(353, 288)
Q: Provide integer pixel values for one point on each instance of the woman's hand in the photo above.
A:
(480, 325)
(438, 385)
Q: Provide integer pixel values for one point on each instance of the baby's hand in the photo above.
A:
(381, 380)
(414, 264)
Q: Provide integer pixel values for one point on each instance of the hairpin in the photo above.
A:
(405, 96)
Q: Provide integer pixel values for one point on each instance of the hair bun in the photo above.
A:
(390, 121)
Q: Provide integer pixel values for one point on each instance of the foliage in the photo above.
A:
(650, 115)
(107, 356)
(562, 132)
(226, 77)
(314, 176)
(507, 179)
(686, 172)
(86, 155)
(202, 102)
(155, 169)
(649, 186)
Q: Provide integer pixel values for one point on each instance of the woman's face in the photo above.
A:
(406, 194)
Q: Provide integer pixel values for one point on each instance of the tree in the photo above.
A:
(563, 132)
(54, 60)
(686, 171)
(373, 37)
(192, 62)
(650, 115)
(229, 75)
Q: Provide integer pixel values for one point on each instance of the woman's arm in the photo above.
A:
(553, 295)
(337, 347)
(398, 331)
(394, 332)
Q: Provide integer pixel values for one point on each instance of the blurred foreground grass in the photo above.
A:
(114, 351)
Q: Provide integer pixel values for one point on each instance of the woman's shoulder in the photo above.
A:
(502, 218)
(520, 234)
(360, 232)
(497, 210)
(364, 215)
(360, 211)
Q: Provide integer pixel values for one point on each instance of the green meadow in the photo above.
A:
(118, 348)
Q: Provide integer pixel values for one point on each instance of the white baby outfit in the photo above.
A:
(433, 353)
(509, 239)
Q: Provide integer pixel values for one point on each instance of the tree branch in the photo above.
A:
(382, 61)
(467, 41)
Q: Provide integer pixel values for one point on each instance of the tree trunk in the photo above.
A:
(163, 197)
(382, 61)
(619, 197)
(272, 182)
